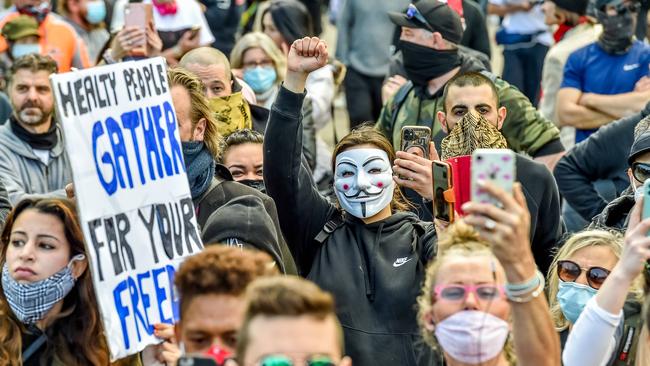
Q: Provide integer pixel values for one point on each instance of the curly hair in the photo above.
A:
(220, 269)
(459, 240)
(199, 106)
(76, 336)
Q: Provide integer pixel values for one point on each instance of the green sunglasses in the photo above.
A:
(281, 360)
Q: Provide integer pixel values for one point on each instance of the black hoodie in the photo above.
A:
(374, 271)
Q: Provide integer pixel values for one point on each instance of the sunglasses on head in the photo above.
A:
(569, 271)
(282, 360)
(641, 171)
(412, 12)
(460, 292)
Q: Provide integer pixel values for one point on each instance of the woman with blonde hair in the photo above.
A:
(262, 65)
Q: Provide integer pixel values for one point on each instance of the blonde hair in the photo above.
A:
(581, 240)
(459, 240)
(199, 106)
(264, 42)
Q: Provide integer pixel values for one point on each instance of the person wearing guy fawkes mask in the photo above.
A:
(616, 214)
(607, 79)
(431, 31)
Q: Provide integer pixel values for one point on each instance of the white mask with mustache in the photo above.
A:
(363, 181)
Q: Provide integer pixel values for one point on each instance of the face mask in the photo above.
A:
(260, 78)
(572, 298)
(95, 11)
(257, 184)
(471, 133)
(39, 12)
(232, 113)
(638, 193)
(472, 337)
(618, 31)
(166, 8)
(363, 181)
(423, 64)
(20, 50)
(30, 302)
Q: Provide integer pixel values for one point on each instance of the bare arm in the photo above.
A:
(571, 113)
(617, 105)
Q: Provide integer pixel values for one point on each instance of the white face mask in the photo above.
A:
(472, 337)
(363, 181)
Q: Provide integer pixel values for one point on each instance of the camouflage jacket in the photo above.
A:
(525, 129)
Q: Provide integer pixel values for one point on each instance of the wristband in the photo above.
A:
(524, 286)
(537, 287)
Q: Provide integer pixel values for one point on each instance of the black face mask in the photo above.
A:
(257, 184)
(618, 31)
(423, 64)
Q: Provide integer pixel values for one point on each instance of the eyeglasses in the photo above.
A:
(569, 271)
(252, 64)
(282, 360)
(413, 12)
(460, 292)
(641, 171)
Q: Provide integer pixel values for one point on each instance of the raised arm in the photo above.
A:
(302, 210)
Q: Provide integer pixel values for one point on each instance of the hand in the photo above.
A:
(636, 250)
(154, 42)
(167, 352)
(414, 172)
(642, 85)
(69, 190)
(507, 229)
(306, 55)
(126, 40)
(391, 86)
(584, 100)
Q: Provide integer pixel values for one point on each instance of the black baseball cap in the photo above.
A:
(575, 6)
(433, 16)
(640, 146)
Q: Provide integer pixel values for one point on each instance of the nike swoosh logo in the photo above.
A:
(400, 262)
(630, 67)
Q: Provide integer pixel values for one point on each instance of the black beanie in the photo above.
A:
(574, 6)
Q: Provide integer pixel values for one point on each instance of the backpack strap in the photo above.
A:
(35, 346)
(398, 101)
(334, 222)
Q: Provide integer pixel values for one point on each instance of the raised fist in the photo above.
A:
(306, 55)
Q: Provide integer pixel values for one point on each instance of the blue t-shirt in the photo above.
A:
(592, 70)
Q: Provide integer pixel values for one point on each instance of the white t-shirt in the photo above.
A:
(188, 15)
(526, 22)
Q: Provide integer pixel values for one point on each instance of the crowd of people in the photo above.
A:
(327, 254)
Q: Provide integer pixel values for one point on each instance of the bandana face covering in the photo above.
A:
(30, 302)
(363, 181)
(471, 133)
(232, 113)
(618, 31)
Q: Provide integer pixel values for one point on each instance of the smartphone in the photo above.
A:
(646, 201)
(197, 361)
(417, 137)
(496, 166)
(138, 15)
(442, 182)
(194, 31)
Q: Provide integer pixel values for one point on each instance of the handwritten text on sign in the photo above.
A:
(134, 201)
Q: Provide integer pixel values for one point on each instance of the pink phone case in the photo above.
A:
(493, 165)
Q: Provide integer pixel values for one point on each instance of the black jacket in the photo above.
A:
(222, 190)
(374, 271)
(616, 214)
(602, 156)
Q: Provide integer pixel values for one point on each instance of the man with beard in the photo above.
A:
(472, 119)
(431, 31)
(607, 79)
(32, 156)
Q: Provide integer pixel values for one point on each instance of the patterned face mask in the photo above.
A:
(30, 302)
(471, 133)
(232, 113)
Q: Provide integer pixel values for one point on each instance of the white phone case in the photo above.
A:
(496, 166)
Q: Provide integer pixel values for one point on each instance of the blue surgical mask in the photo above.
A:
(20, 50)
(260, 78)
(95, 11)
(572, 298)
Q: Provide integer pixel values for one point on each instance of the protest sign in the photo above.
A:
(132, 193)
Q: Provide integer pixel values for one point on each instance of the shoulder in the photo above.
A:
(528, 169)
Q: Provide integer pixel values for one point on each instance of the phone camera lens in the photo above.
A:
(409, 135)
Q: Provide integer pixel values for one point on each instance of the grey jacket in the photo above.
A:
(24, 175)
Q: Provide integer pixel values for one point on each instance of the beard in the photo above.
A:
(33, 114)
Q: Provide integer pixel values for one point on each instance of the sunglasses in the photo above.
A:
(413, 13)
(569, 271)
(460, 292)
(282, 360)
(641, 171)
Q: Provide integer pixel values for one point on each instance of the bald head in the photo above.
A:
(212, 67)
